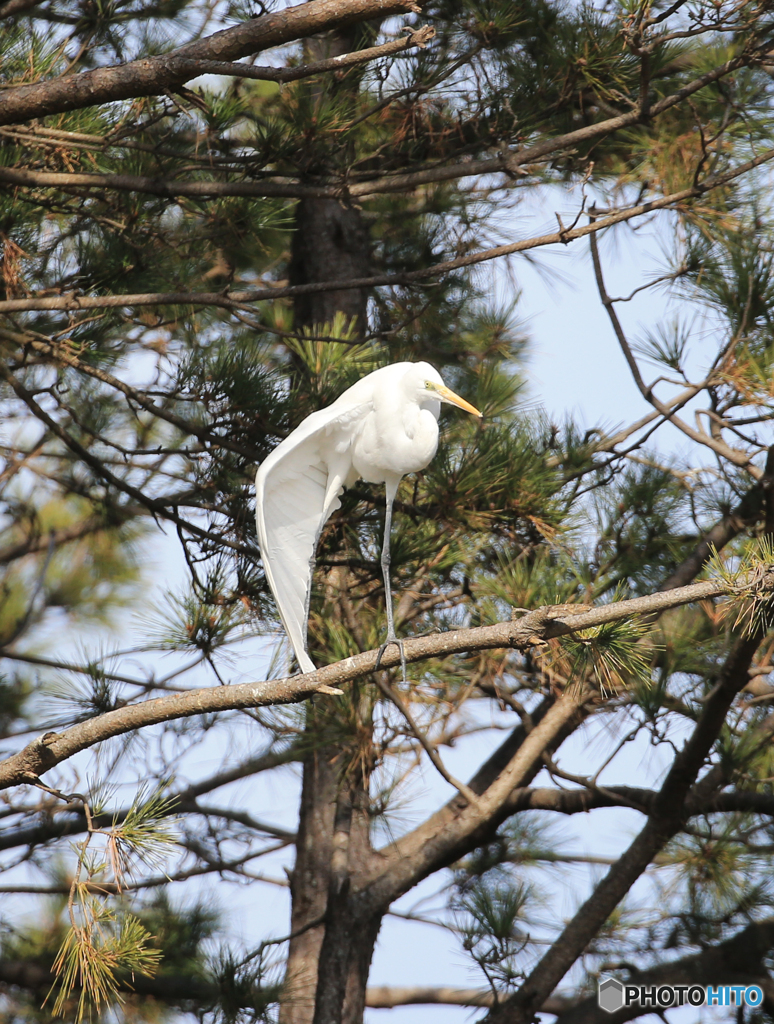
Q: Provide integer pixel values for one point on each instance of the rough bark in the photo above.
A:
(330, 952)
(310, 879)
(330, 244)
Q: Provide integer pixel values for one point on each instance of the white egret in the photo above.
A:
(380, 429)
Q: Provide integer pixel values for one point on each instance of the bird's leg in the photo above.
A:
(386, 570)
(391, 637)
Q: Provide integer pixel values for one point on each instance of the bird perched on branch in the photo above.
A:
(380, 429)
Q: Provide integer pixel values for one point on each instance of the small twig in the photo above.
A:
(430, 750)
(733, 455)
(421, 37)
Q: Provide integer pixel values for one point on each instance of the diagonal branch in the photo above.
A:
(427, 746)
(153, 76)
(664, 821)
(52, 748)
(421, 37)
(13, 7)
(739, 959)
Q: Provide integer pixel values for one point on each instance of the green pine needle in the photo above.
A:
(750, 582)
(612, 654)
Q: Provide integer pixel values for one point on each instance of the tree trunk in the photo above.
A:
(333, 934)
(328, 962)
(351, 926)
(330, 243)
(310, 879)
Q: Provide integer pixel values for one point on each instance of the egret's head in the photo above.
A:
(437, 389)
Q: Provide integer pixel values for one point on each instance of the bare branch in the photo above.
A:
(153, 76)
(52, 748)
(734, 455)
(385, 997)
(421, 37)
(427, 746)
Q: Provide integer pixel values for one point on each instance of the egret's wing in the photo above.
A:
(297, 489)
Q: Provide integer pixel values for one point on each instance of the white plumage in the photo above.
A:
(384, 426)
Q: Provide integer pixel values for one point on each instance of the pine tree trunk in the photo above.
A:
(310, 879)
(350, 928)
(334, 931)
(333, 937)
(330, 243)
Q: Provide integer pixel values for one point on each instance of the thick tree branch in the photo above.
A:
(386, 997)
(52, 748)
(579, 801)
(153, 76)
(507, 163)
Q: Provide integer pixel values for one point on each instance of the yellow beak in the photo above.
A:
(447, 395)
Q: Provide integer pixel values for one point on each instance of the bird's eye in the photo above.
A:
(429, 386)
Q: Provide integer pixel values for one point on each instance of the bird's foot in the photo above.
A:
(399, 644)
